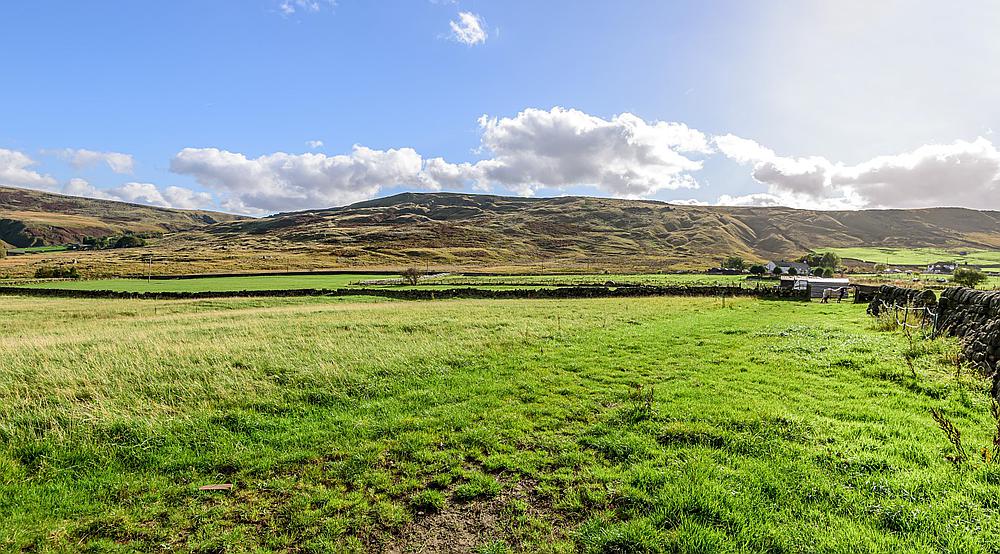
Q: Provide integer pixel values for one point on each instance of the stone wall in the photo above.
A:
(900, 296)
(974, 316)
(765, 292)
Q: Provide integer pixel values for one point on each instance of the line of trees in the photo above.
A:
(128, 240)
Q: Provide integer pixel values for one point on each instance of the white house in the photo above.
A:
(800, 268)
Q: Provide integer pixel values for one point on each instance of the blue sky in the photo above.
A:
(214, 103)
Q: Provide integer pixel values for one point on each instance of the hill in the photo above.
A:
(446, 228)
(34, 218)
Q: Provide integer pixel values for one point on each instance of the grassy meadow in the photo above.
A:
(919, 256)
(356, 424)
(213, 284)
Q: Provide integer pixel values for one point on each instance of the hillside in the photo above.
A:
(34, 218)
(580, 231)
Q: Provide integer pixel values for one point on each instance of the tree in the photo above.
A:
(776, 270)
(129, 241)
(734, 262)
(826, 259)
(412, 275)
(758, 269)
(968, 276)
(793, 271)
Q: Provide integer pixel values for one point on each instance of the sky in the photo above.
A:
(265, 106)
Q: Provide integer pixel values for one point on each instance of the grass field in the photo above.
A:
(286, 282)
(213, 284)
(637, 425)
(919, 256)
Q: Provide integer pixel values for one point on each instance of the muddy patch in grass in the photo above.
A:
(474, 526)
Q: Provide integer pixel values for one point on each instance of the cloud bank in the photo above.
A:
(958, 174)
(622, 156)
(548, 151)
(15, 171)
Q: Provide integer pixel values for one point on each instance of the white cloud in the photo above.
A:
(623, 156)
(958, 174)
(289, 7)
(280, 181)
(314, 144)
(142, 193)
(15, 171)
(468, 29)
(82, 158)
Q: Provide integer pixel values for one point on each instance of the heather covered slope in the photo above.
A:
(440, 227)
(34, 218)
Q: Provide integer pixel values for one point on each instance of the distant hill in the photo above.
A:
(469, 229)
(34, 218)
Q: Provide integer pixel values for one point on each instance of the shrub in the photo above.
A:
(57, 272)
(734, 262)
(129, 241)
(411, 275)
(968, 276)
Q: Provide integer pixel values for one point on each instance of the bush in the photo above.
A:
(57, 272)
(968, 277)
(758, 269)
(734, 262)
(412, 275)
(129, 241)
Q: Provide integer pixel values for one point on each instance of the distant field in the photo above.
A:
(288, 282)
(39, 249)
(594, 279)
(593, 426)
(214, 284)
(918, 256)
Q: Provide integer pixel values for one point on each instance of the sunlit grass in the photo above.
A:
(636, 424)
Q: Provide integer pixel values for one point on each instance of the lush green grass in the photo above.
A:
(39, 249)
(635, 425)
(919, 256)
(285, 282)
(213, 284)
(593, 279)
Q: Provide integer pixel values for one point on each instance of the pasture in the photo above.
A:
(600, 425)
(920, 256)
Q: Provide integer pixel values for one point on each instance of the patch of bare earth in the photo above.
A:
(466, 526)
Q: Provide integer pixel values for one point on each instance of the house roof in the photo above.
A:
(796, 265)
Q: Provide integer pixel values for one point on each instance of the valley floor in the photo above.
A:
(607, 425)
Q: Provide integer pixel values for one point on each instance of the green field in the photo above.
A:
(213, 284)
(633, 425)
(595, 279)
(288, 282)
(38, 249)
(919, 256)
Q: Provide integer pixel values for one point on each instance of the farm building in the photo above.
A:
(815, 285)
(942, 268)
(799, 267)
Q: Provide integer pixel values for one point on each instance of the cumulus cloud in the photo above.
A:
(314, 144)
(468, 29)
(957, 174)
(82, 158)
(15, 171)
(280, 181)
(623, 156)
(142, 193)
